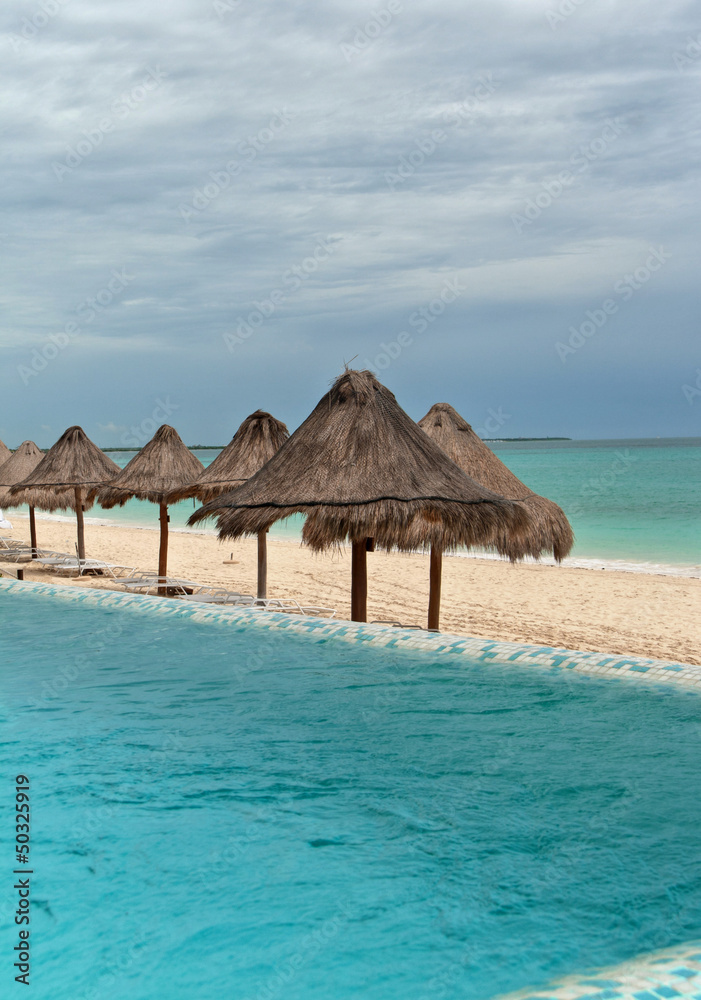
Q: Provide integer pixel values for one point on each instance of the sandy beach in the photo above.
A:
(597, 610)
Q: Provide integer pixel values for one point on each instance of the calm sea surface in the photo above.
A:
(633, 502)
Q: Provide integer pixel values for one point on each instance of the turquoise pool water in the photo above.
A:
(224, 813)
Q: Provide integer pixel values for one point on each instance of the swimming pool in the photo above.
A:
(243, 813)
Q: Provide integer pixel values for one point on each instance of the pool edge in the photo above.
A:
(604, 665)
(672, 972)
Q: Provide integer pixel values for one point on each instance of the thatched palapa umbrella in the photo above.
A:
(254, 443)
(13, 471)
(162, 465)
(4, 455)
(549, 530)
(65, 476)
(361, 470)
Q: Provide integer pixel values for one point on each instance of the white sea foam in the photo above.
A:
(618, 565)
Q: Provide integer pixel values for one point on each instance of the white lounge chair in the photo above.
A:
(250, 603)
(147, 582)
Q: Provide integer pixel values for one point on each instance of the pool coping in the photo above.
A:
(604, 665)
(674, 972)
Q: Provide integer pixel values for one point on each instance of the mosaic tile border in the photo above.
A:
(661, 975)
(442, 643)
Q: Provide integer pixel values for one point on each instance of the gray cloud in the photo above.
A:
(207, 149)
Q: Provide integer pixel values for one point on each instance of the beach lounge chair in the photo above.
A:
(215, 596)
(148, 582)
(24, 553)
(396, 624)
(61, 562)
(250, 603)
(9, 547)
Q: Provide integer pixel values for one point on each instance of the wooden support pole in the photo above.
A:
(81, 523)
(262, 564)
(163, 550)
(359, 582)
(434, 600)
(33, 532)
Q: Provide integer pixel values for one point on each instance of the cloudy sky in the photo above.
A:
(209, 206)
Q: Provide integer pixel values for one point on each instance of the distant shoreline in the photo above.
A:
(502, 440)
(220, 447)
(499, 440)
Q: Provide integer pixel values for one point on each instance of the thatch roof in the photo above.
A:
(549, 531)
(15, 469)
(161, 465)
(4, 453)
(74, 461)
(359, 467)
(254, 443)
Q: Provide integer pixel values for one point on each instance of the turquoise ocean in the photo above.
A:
(634, 504)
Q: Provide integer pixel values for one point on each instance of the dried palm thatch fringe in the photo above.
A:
(74, 462)
(254, 443)
(4, 453)
(161, 466)
(358, 468)
(549, 530)
(15, 469)
(64, 476)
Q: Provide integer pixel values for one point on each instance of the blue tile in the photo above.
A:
(685, 973)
